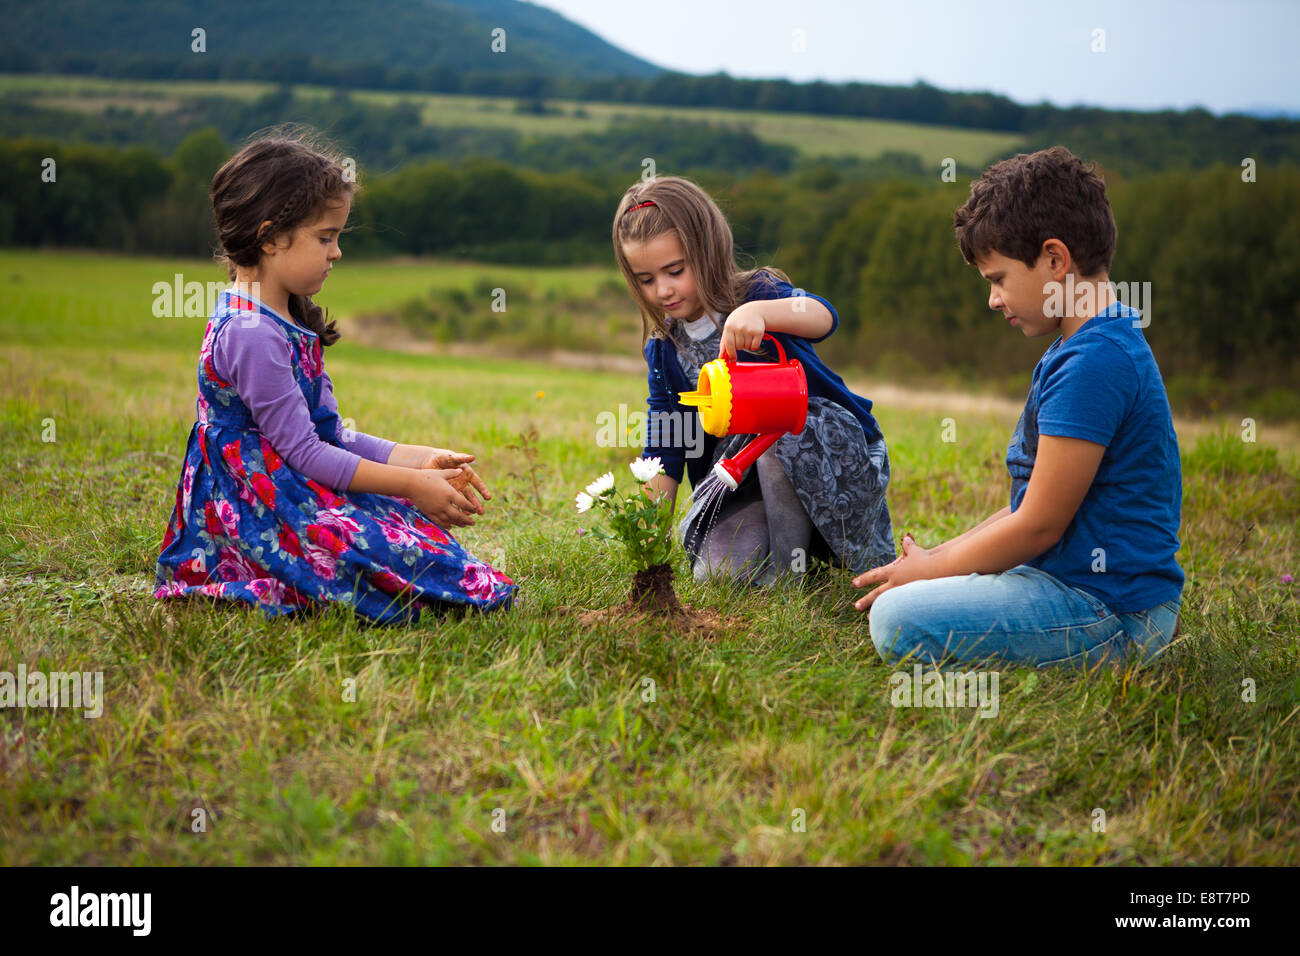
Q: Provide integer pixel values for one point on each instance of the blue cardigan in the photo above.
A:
(667, 380)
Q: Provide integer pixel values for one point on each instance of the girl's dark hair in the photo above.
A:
(289, 181)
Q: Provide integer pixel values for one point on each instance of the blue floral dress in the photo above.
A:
(247, 527)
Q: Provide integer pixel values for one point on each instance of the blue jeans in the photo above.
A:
(1021, 616)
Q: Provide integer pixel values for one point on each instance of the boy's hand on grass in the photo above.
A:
(434, 492)
(443, 459)
(911, 565)
(743, 329)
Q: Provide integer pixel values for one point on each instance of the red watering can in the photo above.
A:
(765, 399)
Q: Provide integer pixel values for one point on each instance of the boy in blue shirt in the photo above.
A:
(1080, 566)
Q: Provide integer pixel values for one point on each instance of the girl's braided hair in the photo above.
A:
(286, 180)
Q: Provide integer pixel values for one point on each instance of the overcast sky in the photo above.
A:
(1158, 53)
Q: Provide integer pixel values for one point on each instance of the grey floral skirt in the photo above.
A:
(840, 480)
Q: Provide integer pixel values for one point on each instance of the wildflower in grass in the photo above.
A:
(1287, 579)
(643, 469)
(641, 524)
(602, 485)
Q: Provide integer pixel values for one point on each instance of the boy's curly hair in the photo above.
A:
(1021, 202)
(289, 180)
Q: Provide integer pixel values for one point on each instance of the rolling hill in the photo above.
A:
(361, 42)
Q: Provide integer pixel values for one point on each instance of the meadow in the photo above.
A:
(528, 737)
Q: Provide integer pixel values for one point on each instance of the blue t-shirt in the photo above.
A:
(1102, 385)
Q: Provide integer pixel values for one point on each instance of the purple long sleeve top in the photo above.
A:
(258, 360)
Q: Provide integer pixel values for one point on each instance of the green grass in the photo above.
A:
(549, 721)
(812, 135)
(46, 293)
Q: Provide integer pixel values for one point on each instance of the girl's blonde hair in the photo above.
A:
(683, 207)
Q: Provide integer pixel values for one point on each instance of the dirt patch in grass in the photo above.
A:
(686, 621)
(653, 603)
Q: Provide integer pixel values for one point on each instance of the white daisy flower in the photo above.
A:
(602, 485)
(643, 469)
(584, 502)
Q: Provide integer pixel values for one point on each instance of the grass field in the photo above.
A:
(530, 718)
(811, 134)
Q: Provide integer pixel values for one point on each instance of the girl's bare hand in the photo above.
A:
(743, 329)
(433, 492)
(443, 459)
(468, 483)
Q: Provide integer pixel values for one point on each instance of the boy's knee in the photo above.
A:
(888, 618)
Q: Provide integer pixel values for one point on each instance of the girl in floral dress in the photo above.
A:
(279, 505)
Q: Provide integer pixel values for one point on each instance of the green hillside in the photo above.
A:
(160, 113)
(154, 37)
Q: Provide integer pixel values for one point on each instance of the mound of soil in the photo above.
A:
(652, 590)
(654, 602)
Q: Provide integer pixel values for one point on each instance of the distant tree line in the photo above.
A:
(1221, 253)
(918, 103)
(385, 136)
